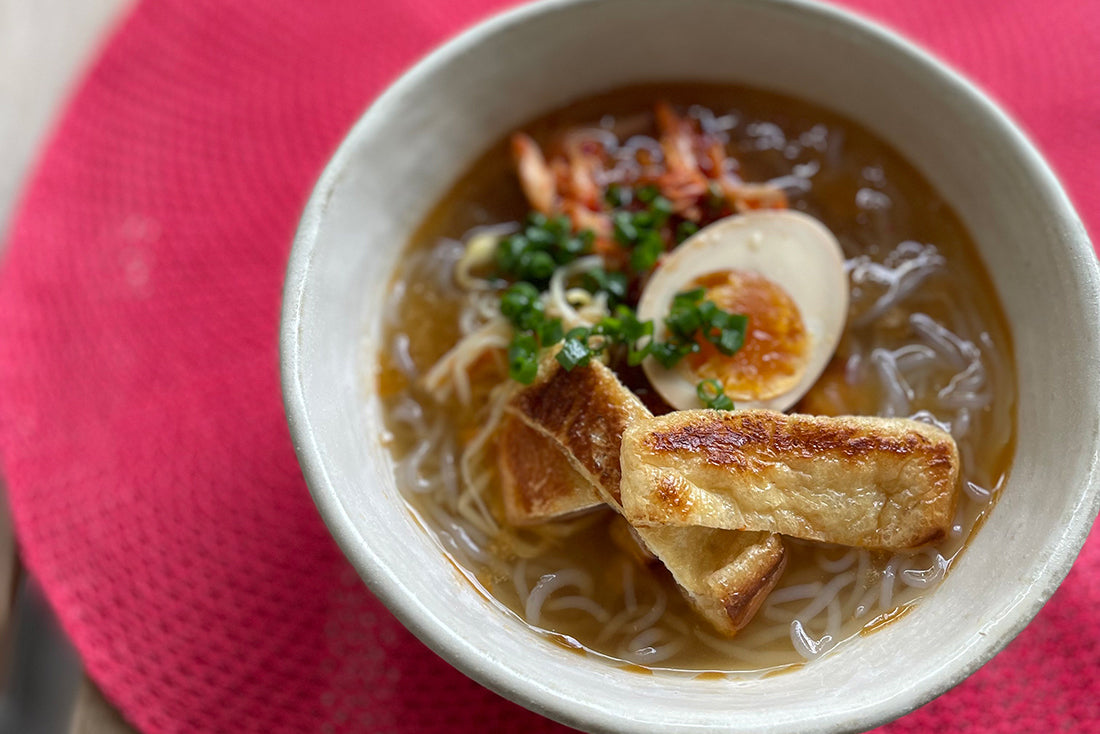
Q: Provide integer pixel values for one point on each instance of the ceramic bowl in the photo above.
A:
(426, 129)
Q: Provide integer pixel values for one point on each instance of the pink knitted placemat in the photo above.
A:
(154, 489)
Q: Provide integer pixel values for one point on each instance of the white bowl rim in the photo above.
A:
(449, 645)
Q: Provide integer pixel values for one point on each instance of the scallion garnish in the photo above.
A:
(521, 305)
(626, 233)
(647, 194)
(616, 196)
(531, 256)
(685, 229)
(613, 283)
(713, 395)
(661, 210)
(727, 331)
(669, 354)
(543, 244)
(691, 315)
(642, 231)
(575, 351)
(624, 327)
(549, 332)
(646, 251)
(523, 358)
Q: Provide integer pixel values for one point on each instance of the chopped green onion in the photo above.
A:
(517, 298)
(626, 328)
(661, 210)
(549, 332)
(523, 355)
(683, 323)
(646, 253)
(683, 318)
(688, 316)
(713, 395)
(727, 331)
(616, 196)
(531, 256)
(633, 328)
(642, 231)
(508, 251)
(610, 327)
(707, 312)
(685, 229)
(543, 244)
(669, 354)
(579, 333)
(573, 247)
(623, 226)
(613, 283)
(635, 355)
(574, 351)
(520, 304)
(539, 236)
(536, 265)
(560, 225)
(688, 298)
(643, 220)
(647, 194)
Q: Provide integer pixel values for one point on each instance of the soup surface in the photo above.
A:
(925, 338)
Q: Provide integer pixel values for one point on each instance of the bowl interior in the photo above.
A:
(423, 133)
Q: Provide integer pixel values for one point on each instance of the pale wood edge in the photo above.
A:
(10, 573)
(94, 714)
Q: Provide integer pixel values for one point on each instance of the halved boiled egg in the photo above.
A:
(783, 270)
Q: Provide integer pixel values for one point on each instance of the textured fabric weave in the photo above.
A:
(154, 488)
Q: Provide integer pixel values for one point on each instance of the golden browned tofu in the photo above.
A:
(725, 574)
(537, 481)
(585, 410)
(887, 483)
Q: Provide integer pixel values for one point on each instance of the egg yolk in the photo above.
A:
(776, 348)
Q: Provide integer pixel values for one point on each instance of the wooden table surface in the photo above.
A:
(44, 47)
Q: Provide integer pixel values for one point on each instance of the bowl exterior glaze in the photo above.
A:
(422, 133)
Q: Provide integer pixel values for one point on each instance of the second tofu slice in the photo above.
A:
(858, 481)
(725, 575)
(537, 482)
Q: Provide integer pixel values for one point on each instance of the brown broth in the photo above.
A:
(863, 191)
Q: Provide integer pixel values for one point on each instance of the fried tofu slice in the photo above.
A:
(882, 483)
(585, 410)
(538, 483)
(725, 574)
